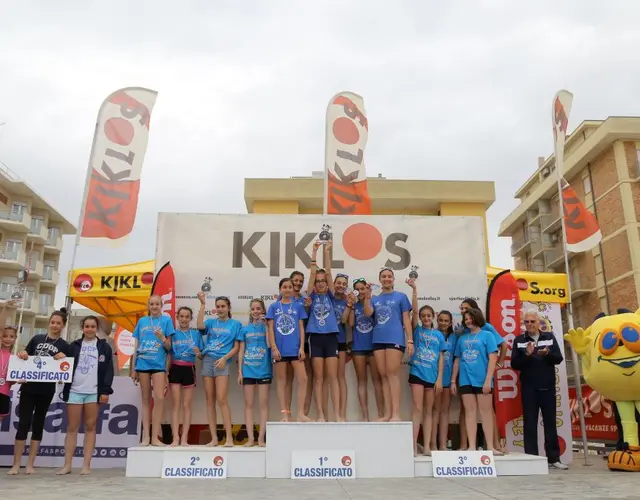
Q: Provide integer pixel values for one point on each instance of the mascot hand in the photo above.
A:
(579, 340)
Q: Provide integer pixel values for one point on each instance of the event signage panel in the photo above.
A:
(194, 464)
(334, 464)
(40, 369)
(463, 464)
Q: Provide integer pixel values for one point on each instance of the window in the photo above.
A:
(52, 235)
(12, 249)
(29, 294)
(40, 331)
(49, 267)
(6, 286)
(586, 182)
(25, 334)
(37, 222)
(44, 302)
(32, 259)
(18, 209)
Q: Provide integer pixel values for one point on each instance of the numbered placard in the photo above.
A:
(194, 465)
(463, 464)
(334, 464)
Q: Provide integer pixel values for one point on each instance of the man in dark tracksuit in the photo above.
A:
(535, 355)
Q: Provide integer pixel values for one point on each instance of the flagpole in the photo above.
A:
(24, 297)
(559, 154)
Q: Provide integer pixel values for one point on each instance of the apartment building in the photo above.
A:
(31, 233)
(602, 165)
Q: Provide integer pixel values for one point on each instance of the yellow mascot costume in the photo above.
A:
(610, 354)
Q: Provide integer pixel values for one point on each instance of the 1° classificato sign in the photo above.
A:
(323, 464)
(40, 369)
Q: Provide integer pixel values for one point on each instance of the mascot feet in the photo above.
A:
(627, 460)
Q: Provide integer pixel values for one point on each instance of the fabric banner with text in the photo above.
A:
(598, 415)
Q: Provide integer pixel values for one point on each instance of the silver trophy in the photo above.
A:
(325, 234)
(17, 293)
(206, 286)
(413, 274)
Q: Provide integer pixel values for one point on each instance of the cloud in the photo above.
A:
(453, 91)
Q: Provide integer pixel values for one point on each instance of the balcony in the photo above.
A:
(581, 284)
(36, 269)
(554, 258)
(14, 259)
(540, 244)
(535, 218)
(537, 266)
(550, 223)
(17, 223)
(50, 277)
(37, 233)
(53, 244)
(44, 311)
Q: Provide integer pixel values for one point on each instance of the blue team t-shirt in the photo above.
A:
(182, 345)
(387, 312)
(339, 306)
(220, 336)
(286, 326)
(428, 345)
(256, 362)
(151, 354)
(447, 367)
(473, 349)
(362, 330)
(322, 314)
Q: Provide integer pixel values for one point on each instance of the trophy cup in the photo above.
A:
(324, 234)
(206, 286)
(17, 293)
(413, 274)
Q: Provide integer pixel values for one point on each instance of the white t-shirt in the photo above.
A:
(85, 379)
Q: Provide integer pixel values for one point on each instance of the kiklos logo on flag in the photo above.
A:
(347, 131)
(582, 232)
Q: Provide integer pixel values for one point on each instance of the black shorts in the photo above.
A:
(256, 381)
(287, 359)
(382, 347)
(323, 345)
(306, 345)
(343, 347)
(5, 405)
(151, 372)
(362, 353)
(470, 389)
(414, 380)
(184, 375)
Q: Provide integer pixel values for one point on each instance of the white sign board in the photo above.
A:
(194, 464)
(334, 464)
(463, 464)
(40, 369)
(117, 429)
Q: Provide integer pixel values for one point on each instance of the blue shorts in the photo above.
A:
(209, 368)
(76, 398)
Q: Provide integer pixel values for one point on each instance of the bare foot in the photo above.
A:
(426, 452)
(320, 418)
(261, 444)
(29, 470)
(303, 418)
(383, 419)
(157, 442)
(145, 442)
(464, 449)
(85, 471)
(228, 444)
(249, 444)
(212, 444)
(64, 471)
(184, 443)
(497, 453)
(285, 416)
(174, 444)
(342, 420)
(395, 419)
(13, 471)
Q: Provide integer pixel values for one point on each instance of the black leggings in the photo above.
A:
(32, 412)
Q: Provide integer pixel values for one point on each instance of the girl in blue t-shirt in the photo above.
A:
(186, 346)
(152, 337)
(323, 332)
(220, 346)
(425, 369)
(392, 332)
(285, 327)
(362, 347)
(440, 432)
(476, 355)
(342, 309)
(255, 369)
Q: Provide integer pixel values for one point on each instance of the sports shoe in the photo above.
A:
(559, 466)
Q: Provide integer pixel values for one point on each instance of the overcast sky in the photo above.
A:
(453, 90)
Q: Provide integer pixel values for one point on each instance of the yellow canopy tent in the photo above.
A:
(537, 287)
(119, 293)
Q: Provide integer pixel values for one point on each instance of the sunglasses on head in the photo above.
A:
(341, 275)
(385, 268)
(222, 297)
(359, 280)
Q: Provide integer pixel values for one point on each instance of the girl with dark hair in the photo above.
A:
(255, 370)
(425, 369)
(476, 356)
(342, 310)
(35, 397)
(152, 337)
(186, 346)
(362, 348)
(90, 387)
(285, 327)
(392, 332)
(221, 346)
(440, 433)
(297, 278)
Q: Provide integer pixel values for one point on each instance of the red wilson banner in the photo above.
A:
(347, 131)
(113, 181)
(503, 312)
(164, 285)
(598, 415)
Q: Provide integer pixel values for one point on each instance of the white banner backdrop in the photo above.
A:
(551, 322)
(118, 428)
(245, 256)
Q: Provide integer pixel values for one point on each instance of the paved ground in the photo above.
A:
(578, 482)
